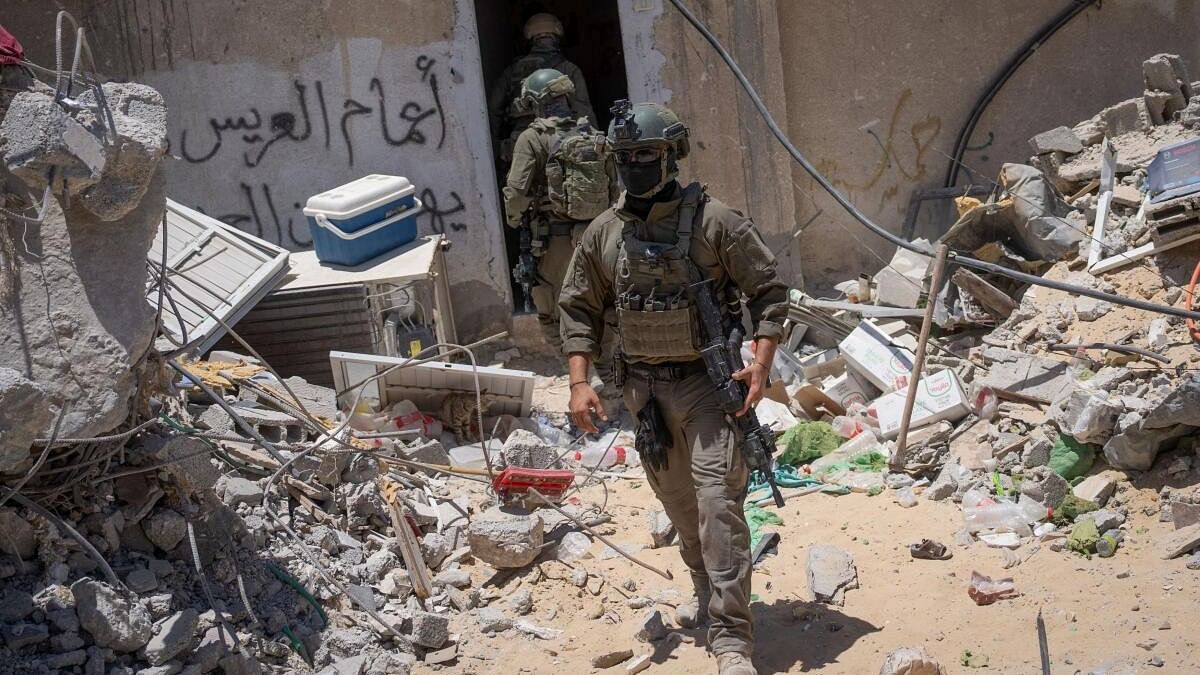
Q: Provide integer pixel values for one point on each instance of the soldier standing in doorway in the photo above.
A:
(558, 182)
(645, 256)
(508, 112)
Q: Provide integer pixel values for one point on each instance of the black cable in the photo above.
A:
(964, 135)
(861, 217)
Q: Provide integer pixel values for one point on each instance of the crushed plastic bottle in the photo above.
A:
(984, 402)
(406, 417)
(984, 591)
(993, 515)
(552, 434)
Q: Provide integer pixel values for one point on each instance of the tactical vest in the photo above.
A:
(655, 317)
(577, 182)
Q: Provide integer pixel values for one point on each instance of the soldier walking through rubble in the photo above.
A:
(641, 256)
(558, 182)
(510, 114)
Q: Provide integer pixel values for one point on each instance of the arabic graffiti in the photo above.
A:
(297, 126)
(311, 116)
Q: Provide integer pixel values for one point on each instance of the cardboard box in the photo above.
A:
(871, 353)
(848, 388)
(822, 364)
(940, 396)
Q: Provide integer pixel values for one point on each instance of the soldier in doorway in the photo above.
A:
(509, 113)
(558, 182)
(643, 257)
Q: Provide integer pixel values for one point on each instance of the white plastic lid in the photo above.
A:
(358, 196)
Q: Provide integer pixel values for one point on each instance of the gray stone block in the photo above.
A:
(24, 411)
(114, 621)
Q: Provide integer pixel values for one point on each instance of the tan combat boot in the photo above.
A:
(693, 613)
(735, 663)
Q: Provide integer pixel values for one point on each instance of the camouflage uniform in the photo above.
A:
(525, 187)
(509, 116)
(704, 485)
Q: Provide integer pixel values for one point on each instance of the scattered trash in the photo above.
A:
(928, 549)
(984, 591)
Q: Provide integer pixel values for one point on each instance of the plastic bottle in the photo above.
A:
(601, 456)
(1005, 516)
(984, 402)
(552, 434)
(846, 427)
(602, 450)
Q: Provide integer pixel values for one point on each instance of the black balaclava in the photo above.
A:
(644, 180)
(556, 107)
(544, 44)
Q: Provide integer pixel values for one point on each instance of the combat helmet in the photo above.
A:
(544, 85)
(638, 125)
(543, 23)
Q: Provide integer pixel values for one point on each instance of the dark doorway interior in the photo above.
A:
(592, 41)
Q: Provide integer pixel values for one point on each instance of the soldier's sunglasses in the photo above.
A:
(638, 155)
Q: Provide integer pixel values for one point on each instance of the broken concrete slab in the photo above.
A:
(81, 337)
(651, 628)
(493, 620)
(430, 630)
(523, 448)
(1124, 117)
(1026, 376)
(1140, 436)
(165, 529)
(1060, 139)
(16, 534)
(662, 530)
(1087, 415)
(173, 636)
(24, 412)
(40, 139)
(133, 150)
(1179, 542)
(114, 621)
(505, 540)
(831, 573)
(1184, 514)
(1096, 488)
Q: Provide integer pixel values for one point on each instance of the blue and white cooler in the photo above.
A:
(363, 218)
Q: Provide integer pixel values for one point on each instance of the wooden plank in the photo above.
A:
(410, 551)
(994, 300)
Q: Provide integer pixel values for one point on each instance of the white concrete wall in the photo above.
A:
(270, 103)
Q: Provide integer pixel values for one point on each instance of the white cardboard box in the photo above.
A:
(872, 353)
(849, 388)
(940, 397)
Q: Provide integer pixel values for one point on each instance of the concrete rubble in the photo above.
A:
(312, 543)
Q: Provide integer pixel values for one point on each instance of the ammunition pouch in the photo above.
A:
(663, 334)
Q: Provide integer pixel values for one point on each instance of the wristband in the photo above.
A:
(575, 383)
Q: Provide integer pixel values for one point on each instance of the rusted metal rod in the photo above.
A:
(935, 283)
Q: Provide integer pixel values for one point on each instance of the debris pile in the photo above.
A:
(1036, 405)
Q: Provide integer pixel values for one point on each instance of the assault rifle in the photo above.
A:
(722, 358)
(525, 271)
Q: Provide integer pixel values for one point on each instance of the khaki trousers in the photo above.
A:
(702, 490)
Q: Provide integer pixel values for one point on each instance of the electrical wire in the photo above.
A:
(964, 135)
(866, 221)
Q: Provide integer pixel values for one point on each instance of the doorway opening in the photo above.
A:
(591, 40)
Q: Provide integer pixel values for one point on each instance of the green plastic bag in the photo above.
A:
(807, 441)
(1071, 459)
(756, 518)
